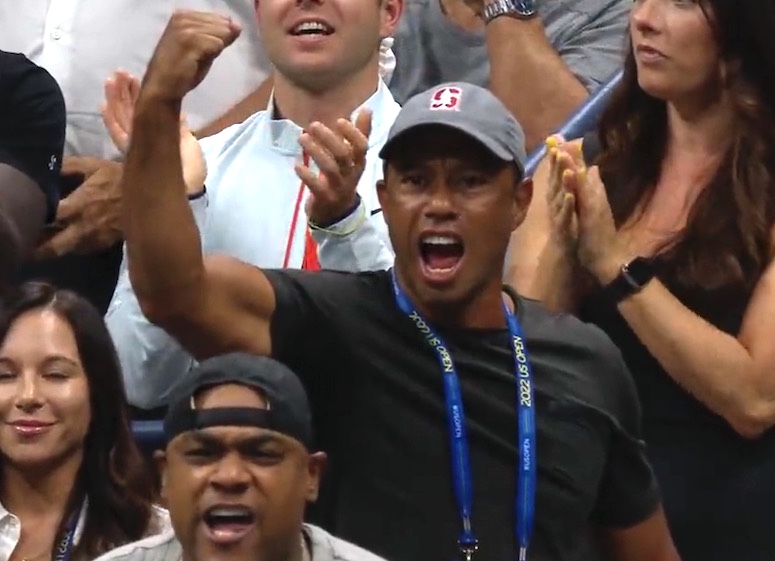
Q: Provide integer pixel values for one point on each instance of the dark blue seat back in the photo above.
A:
(149, 435)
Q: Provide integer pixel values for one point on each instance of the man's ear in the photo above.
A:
(523, 194)
(316, 465)
(381, 194)
(391, 15)
(160, 459)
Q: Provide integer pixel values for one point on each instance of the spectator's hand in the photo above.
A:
(121, 93)
(186, 51)
(340, 156)
(88, 220)
(565, 167)
(600, 249)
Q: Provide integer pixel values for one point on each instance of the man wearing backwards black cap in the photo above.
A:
(237, 471)
(458, 435)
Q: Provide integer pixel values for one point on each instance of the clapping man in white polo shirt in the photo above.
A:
(262, 191)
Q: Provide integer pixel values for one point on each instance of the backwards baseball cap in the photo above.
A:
(287, 408)
(467, 108)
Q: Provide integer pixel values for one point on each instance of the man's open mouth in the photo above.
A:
(441, 253)
(228, 524)
(312, 28)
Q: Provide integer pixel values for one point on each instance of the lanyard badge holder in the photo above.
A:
(458, 438)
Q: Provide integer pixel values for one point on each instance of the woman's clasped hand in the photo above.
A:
(581, 217)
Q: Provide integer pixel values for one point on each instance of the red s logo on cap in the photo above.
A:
(446, 99)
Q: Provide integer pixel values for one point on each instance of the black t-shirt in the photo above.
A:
(378, 397)
(32, 123)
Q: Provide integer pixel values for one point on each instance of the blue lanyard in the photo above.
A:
(65, 547)
(458, 438)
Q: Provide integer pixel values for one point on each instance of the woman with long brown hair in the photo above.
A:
(73, 483)
(667, 244)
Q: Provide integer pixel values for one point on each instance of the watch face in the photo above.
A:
(641, 270)
(525, 7)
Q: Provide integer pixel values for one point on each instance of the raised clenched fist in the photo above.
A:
(185, 52)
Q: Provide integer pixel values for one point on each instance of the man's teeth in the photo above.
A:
(229, 511)
(311, 27)
(440, 240)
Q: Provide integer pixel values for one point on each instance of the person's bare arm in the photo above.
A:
(22, 215)
(211, 306)
(731, 374)
(549, 93)
(553, 82)
(254, 102)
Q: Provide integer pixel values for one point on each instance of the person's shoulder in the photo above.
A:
(591, 9)
(14, 64)
(28, 86)
(326, 547)
(577, 362)
(565, 341)
(344, 284)
(161, 547)
(232, 135)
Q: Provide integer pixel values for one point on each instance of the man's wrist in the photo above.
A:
(154, 98)
(329, 222)
(521, 10)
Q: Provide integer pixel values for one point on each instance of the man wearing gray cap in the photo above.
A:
(238, 470)
(469, 422)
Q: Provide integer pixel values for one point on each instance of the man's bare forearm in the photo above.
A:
(163, 245)
(530, 78)
(254, 102)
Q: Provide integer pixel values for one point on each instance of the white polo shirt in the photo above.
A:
(253, 209)
(82, 42)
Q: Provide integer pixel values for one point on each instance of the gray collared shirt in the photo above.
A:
(589, 35)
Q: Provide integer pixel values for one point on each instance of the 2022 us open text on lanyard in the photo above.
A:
(458, 437)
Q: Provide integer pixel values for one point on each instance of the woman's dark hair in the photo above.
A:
(114, 475)
(727, 239)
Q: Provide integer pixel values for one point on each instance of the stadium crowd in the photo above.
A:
(387, 280)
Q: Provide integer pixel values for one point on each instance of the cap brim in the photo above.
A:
(497, 150)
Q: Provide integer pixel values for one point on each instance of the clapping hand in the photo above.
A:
(121, 93)
(340, 155)
(581, 213)
(566, 166)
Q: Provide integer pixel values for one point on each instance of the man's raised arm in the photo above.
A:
(211, 306)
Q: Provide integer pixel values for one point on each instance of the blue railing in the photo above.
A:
(583, 120)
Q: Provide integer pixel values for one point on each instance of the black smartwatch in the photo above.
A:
(631, 279)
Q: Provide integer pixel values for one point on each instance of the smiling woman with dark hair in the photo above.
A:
(667, 244)
(71, 477)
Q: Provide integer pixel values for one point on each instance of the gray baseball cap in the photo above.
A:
(467, 108)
